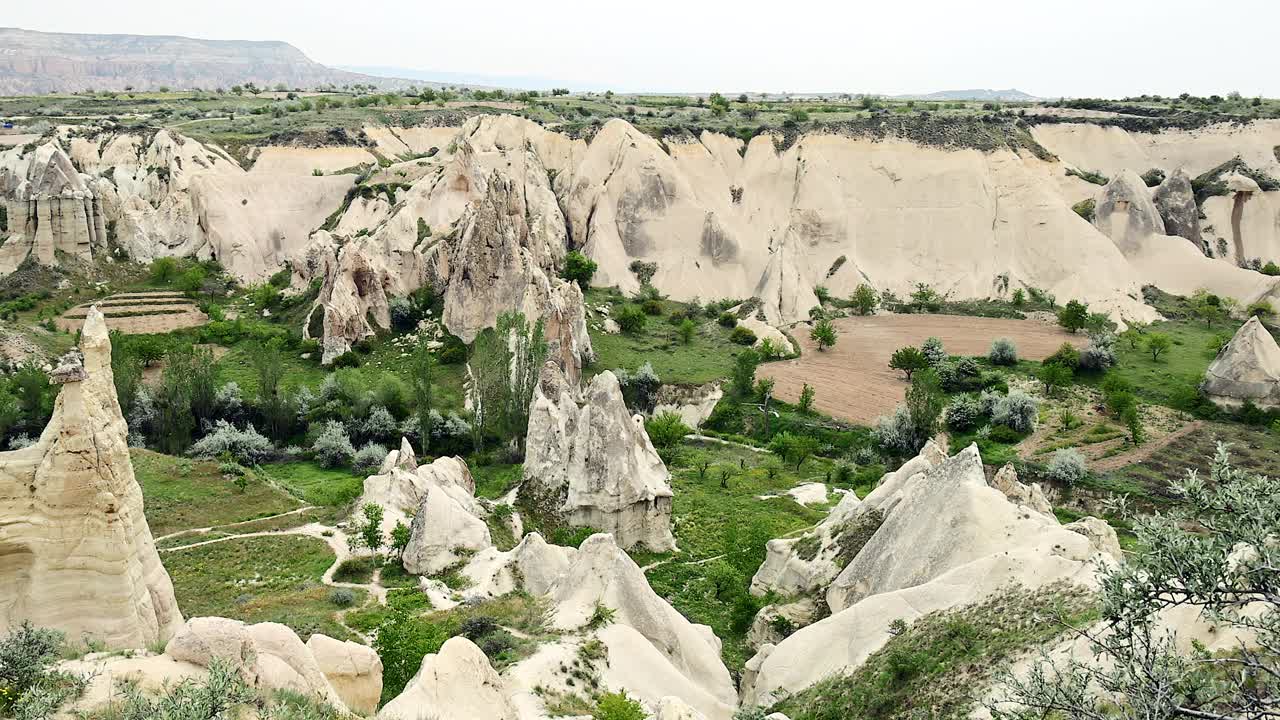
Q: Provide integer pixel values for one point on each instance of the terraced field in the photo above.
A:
(139, 313)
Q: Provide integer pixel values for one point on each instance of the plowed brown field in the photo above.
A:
(853, 381)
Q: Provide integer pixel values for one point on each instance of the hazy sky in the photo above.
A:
(1045, 47)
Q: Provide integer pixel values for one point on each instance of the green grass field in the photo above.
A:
(180, 494)
(317, 485)
(261, 579)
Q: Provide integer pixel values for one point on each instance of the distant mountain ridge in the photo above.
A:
(33, 62)
(1010, 95)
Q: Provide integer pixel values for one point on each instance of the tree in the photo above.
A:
(806, 398)
(925, 299)
(421, 368)
(1157, 343)
(793, 448)
(126, 370)
(824, 333)
(164, 270)
(268, 365)
(578, 268)
(864, 299)
(174, 420)
(617, 706)
(505, 363)
(369, 531)
(686, 329)
(744, 372)
(1214, 552)
(666, 430)
(1074, 316)
(925, 401)
(1054, 376)
(908, 360)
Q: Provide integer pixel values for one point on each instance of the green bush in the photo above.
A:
(631, 319)
(666, 430)
(617, 706)
(652, 307)
(727, 319)
(743, 336)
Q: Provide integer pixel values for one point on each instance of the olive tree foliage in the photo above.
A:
(505, 363)
(1216, 553)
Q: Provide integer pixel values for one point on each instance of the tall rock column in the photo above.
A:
(76, 553)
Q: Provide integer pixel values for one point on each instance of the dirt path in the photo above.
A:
(201, 531)
(1142, 452)
(853, 379)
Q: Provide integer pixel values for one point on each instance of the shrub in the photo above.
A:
(368, 458)
(164, 270)
(332, 446)
(1153, 177)
(666, 430)
(1100, 355)
(640, 388)
(652, 307)
(933, 351)
(1261, 309)
(25, 654)
(1003, 352)
(1016, 411)
(743, 336)
(896, 432)
(617, 706)
(379, 424)
(686, 330)
(1067, 467)
(578, 268)
(342, 597)
(247, 446)
(631, 319)
(1066, 355)
(727, 319)
(963, 413)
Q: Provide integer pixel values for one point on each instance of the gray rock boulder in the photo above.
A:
(1247, 369)
(1175, 200)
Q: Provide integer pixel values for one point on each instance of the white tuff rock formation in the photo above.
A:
(593, 464)
(947, 539)
(75, 550)
(458, 683)
(1247, 369)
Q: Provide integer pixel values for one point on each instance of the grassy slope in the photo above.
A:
(317, 485)
(181, 494)
(261, 579)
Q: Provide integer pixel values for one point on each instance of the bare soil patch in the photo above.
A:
(853, 380)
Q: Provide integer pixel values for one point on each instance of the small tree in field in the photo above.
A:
(806, 398)
(1074, 316)
(686, 330)
(369, 531)
(824, 333)
(1157, 343)
(908, 360)
(864, 299)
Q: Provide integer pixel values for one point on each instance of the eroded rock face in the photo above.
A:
(50, 205)
(1246, 370)
(458, 683)
(947, 540)
(76, 553)
(1176, 202)
(1125, 212)
(593, 464)
(601, 574)
(400, 489)
(270, 656)
(354, 671)
(444, 531)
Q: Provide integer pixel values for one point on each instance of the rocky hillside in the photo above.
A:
(37, 62)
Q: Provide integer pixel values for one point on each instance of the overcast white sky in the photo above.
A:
(1045, 47)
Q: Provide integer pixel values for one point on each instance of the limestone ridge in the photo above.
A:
(591, 462)
(76, 553)
(1247, 369)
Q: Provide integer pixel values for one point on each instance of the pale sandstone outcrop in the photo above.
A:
(767, 628)
(75, 550)
(693, 404)
(269, 656)
(908, 550)
(533, 565)
(947, 540)
(1247, 369)
(457, 683)
(787, 571)
(444, 531)
(1031, 496)
(593, 463)
(400, 490)
(354, 671)
(601, 574)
